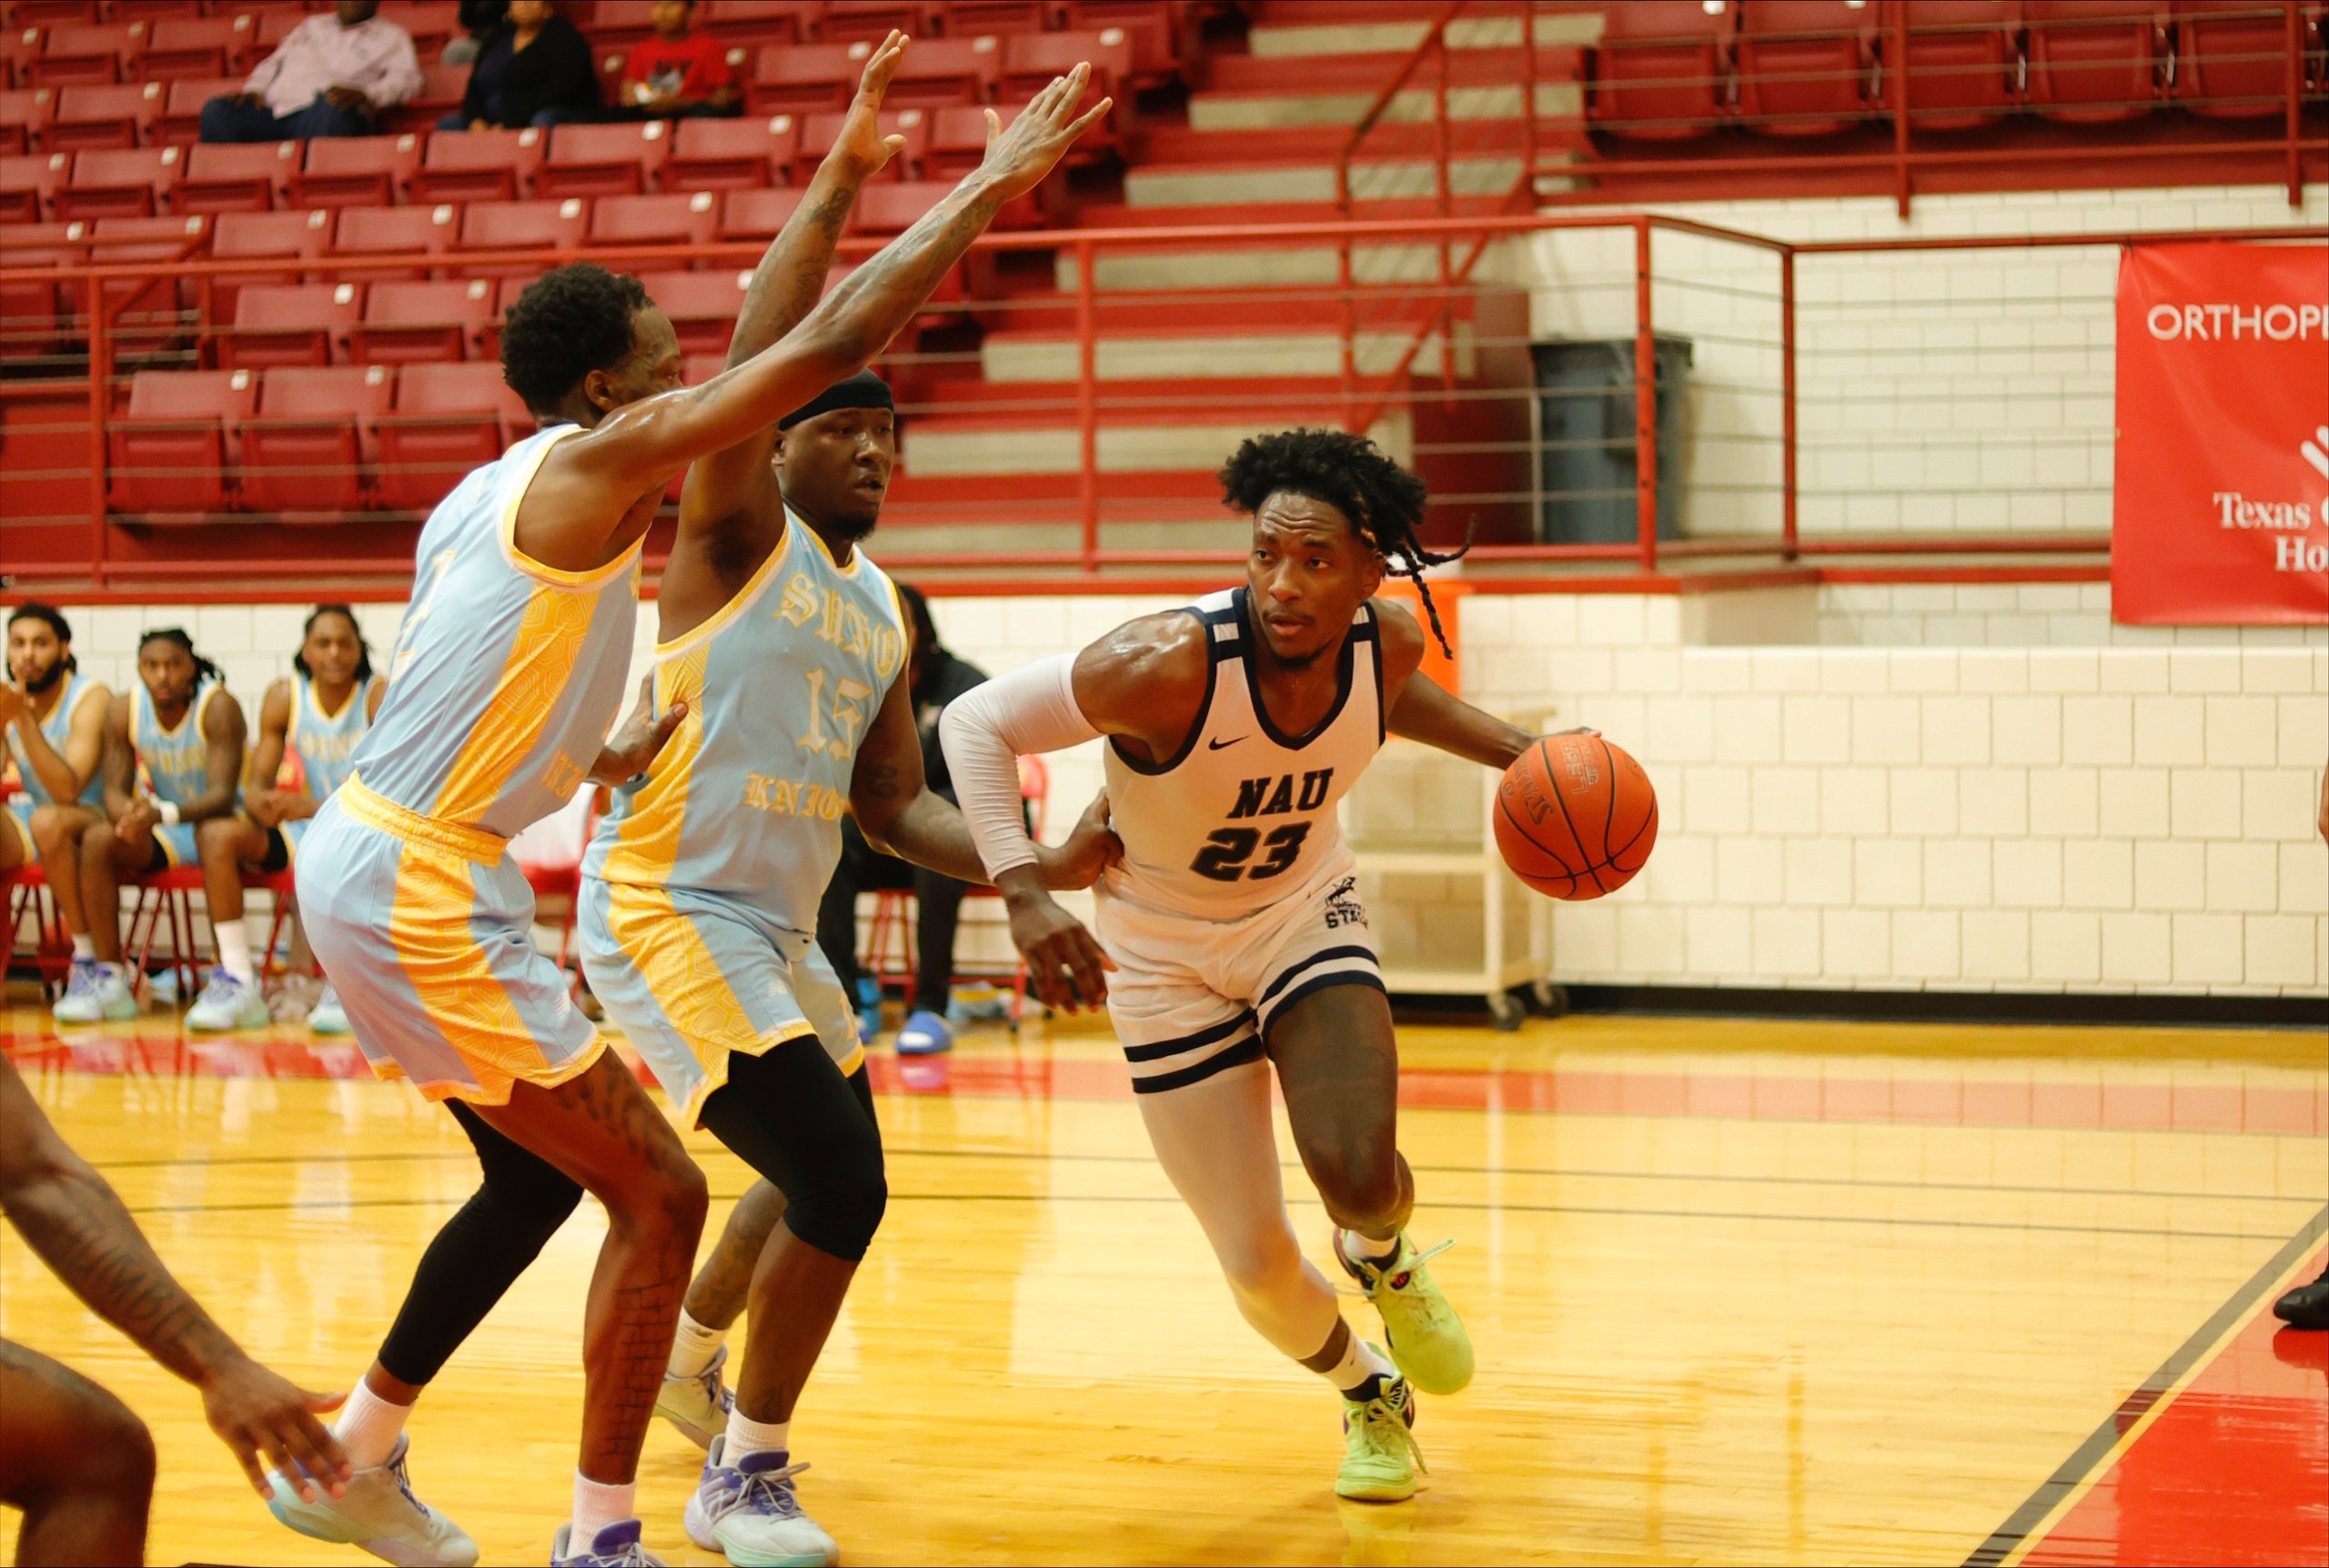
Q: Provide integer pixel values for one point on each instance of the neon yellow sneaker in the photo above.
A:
(1425, 1337)
(1380, 1459)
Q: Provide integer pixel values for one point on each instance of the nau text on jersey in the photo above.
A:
(1273, 797)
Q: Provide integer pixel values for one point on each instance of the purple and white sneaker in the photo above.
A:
(750, 1514)
(616, 1546)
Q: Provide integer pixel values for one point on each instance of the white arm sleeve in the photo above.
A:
(987, 729)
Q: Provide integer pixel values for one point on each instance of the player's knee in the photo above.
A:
(1262, 1263)
(529, 1207)
(112, 1452)
(55, 830)
(1361, 1184)
(842, 1211)
(215, 836)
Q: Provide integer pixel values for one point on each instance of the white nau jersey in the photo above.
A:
(1244, 814)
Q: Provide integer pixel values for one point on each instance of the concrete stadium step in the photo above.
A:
(1273, 111)
(1388, 140)
(1195, 433)
(1293, 34)
(1018, 359)
(901, 549)
(1257, 75)
(1247, 185)
(1251, 266)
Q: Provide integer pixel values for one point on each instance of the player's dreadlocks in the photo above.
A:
(1349, 473)
(203, 668)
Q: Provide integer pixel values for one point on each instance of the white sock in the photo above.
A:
(693, 1346)
(85, 946)
(1366, 1249)
(369, 1426)
(234, 951)
(747, 1436)
(1360, 1362)
(596, 1504)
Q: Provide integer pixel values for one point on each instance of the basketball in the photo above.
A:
(1576, 817)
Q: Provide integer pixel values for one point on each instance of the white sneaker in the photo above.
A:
(95, 993)
(749, 1514)
(616, 1546)
(698, 1405)
(328, 1017)
(227, 1003)
(379, 1515)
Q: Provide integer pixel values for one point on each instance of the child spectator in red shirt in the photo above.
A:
(679, 71)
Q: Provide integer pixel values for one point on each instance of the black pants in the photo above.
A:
(938, 902)
(790, 1115)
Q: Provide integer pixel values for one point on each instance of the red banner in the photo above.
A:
(2220, 510)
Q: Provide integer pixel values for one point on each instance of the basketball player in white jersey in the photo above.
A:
(316, 717)
(1233, 926)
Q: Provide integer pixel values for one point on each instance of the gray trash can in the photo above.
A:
(1584, 393)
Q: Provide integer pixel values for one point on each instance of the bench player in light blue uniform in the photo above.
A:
(54, 718)
(505, 677)
(314, 718)
(173, 760)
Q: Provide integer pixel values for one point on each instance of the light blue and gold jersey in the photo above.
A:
(324, 742)
(506, 673)
(746, 801)
(177, 760)
(57, 728)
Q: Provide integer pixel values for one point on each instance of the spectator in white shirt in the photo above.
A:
(331, 76)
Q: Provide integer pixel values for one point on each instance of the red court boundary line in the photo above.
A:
(2028, 1525)
(1720, 1096)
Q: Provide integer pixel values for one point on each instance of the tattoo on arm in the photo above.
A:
(791, 278)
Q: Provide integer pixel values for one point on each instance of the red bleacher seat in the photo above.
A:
(940, 71)
(254, 236)
(442, 90)
(422, 323)
(702, 306)
(152, 10)
(248, 177)
(53, 13)
(445, 420)
(478, 165)
(604, 160)
(819, 131)
(33, 310)
(2094, 60)
(276, 23)
(1658, 71)
(178, 48)
(149, 311)
(711, 155)
(1804, 66)
(2231, 57)
(300, 325)
(169, 452)
(181, 117)
(356, 171)
(541, 227)
(806, 78)
(958, 139)
(1160, 32)
(968, 17)
(681, 217)
(28, 183)
(418, 232)
(23, 118)
(620, 24)
(85, 53)
(123, 116)
(870, 21)
(429, 22)
(756, 216)
(310, 446)
(1030, 61)
(120, 182)
(1964, 62)
(756, 24)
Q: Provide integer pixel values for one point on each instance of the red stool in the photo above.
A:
(168, 892)
(280, 887)
(24, 891)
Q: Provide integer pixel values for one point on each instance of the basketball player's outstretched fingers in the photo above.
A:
(255, 1411)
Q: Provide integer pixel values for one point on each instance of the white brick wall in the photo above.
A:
(1936, 391)
(2100, 812)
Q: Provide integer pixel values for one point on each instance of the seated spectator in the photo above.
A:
(534, 69)
(478, 19)
(52, 718)
(331, 76)
(679, 71)
(934, 677)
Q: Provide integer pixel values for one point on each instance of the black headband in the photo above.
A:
(863, 390)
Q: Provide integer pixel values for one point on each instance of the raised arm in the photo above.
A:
(1420, 709)
(223, 732)
(787, 284)
(75, 1222)
(590, 483)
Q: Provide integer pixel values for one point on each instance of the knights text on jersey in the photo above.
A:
(1244, 814)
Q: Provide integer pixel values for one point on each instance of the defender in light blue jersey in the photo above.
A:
(504, 678)
(173, 760)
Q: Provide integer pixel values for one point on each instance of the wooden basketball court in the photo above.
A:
(1742, 1292)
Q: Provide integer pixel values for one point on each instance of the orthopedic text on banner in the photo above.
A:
(2221, 509)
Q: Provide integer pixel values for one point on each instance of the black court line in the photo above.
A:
(2106, 1435)
(1577, 1172)
(334, 1205)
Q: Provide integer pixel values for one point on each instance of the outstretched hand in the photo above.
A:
(1018, 156)
(257, 1412)
(861, 146)
(639, 740)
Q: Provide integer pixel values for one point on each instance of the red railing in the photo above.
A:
(121, 553)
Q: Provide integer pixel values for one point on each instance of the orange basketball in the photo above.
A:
(1575, 817)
